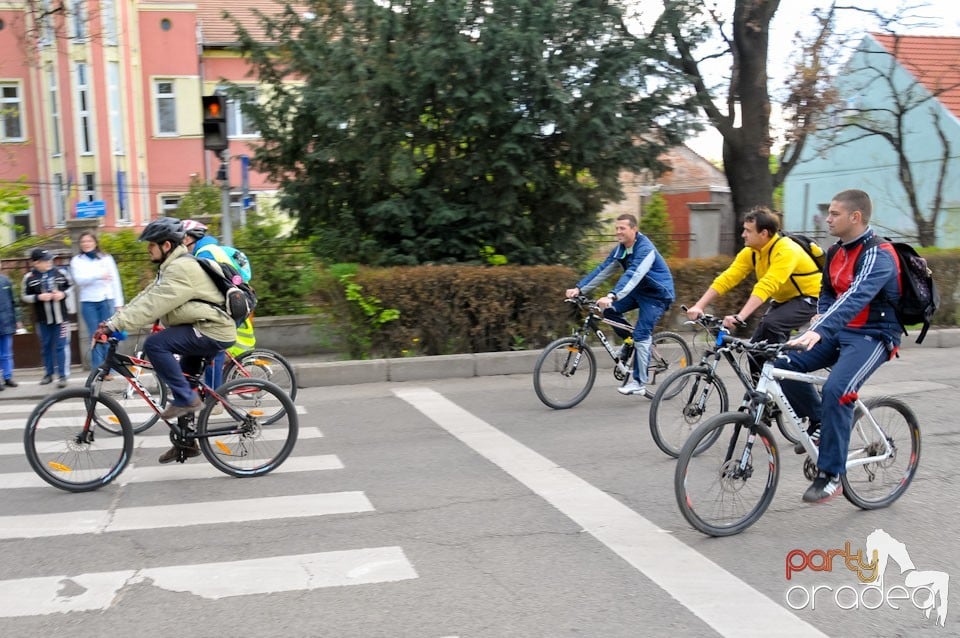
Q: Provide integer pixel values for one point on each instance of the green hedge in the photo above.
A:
(457, 309)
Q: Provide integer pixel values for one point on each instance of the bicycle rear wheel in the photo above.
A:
(683, 401)
(668, 354)
(564, 373)
(256, 446)
(878, 484)
(726, 488)
(141, 415)
(66, 455)
(261, 363)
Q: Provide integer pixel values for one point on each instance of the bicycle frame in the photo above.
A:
(591, 324)
(768, 388)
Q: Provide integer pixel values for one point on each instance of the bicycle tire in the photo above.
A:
(263, 363)
(681, 403)
(55, 451)
(900, 426)
(713, 493)
(558, 375)
(142, 416)
(669, 352)
(260, 447)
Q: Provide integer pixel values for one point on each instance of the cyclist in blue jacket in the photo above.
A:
(646, 284)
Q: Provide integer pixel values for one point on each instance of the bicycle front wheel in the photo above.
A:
(141, 415)
(564, 373)
(62, 445)
(261, 363)
(682, 402)
(668, 354)
(726, 488)
(241, 442)
(878, 484)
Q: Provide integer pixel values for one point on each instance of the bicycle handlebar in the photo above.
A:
(769, 351)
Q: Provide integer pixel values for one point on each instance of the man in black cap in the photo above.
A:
(45, 288)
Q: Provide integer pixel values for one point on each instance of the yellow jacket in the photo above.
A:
(787, 273)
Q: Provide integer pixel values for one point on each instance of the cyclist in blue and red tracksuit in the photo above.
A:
(646, 284)
(855, 331)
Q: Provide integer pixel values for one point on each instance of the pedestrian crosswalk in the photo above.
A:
(56, 589)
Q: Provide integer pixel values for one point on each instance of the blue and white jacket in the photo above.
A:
(645, 272)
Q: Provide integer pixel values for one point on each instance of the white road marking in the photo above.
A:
(699, 584)
(98, 591)
(182, 515)
(107, 441)
(197, 469)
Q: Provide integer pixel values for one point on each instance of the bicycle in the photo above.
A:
(63, 448)
(723, 488)
(255, 363)
(566, 370)
(693, 393)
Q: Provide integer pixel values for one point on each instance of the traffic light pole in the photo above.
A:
(226, 223)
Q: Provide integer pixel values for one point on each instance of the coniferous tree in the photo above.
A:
(430, 131)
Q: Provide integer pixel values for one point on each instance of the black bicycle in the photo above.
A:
(567, 368)
(689, 396)
(65, 438)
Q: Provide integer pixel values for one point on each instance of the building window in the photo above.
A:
(113, 103)
(123, 212)
(84, 116)
(78, 20)
(11, 109)
(108, 16)
(237, 124)
(54, 92)
(89, 187)
(165, 24)
(21, 224)
(166, 108)
(169, 204)
(59, 196)
(46, 24)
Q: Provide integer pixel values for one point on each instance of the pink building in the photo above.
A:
(101, 109)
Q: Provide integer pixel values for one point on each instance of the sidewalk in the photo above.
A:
(318, 371)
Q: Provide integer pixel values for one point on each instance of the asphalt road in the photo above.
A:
(464, 507)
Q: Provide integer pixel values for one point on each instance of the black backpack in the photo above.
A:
(239, 298)
(919, 297)
(810, 246)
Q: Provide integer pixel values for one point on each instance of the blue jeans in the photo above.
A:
(213, 375)
(6, 355)
(192, 346)
(93, 312)
(854, 356)
(649, 312)
(53, 348)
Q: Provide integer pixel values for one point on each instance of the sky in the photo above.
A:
(939, 17)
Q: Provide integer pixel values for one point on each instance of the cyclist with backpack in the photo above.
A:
(185, 300)
(855, 331)
(205, 246)
(787, 276)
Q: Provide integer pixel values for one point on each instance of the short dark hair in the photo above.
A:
(856, 199)
(629, 218)
(764, 218)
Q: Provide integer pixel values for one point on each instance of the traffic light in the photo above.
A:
(215, 123)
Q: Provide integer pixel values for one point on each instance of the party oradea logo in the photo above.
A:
(872, 588)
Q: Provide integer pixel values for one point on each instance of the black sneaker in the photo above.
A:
(824, 488)
(62, 383)
(10, 383)
(47, 379)
(815, 439)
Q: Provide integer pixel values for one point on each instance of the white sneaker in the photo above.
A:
(634, 387)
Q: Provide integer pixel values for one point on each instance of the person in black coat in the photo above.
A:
(45, 287)
(9, 324)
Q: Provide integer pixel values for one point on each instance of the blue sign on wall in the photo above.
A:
(96, 208)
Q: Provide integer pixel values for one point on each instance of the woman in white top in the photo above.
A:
(98, 283)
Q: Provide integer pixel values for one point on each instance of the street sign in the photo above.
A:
(96, 208)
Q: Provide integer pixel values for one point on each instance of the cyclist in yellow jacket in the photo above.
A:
(787, 277)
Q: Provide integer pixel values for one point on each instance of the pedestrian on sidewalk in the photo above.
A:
(10, 323)
(45, 288)
(98, 286)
